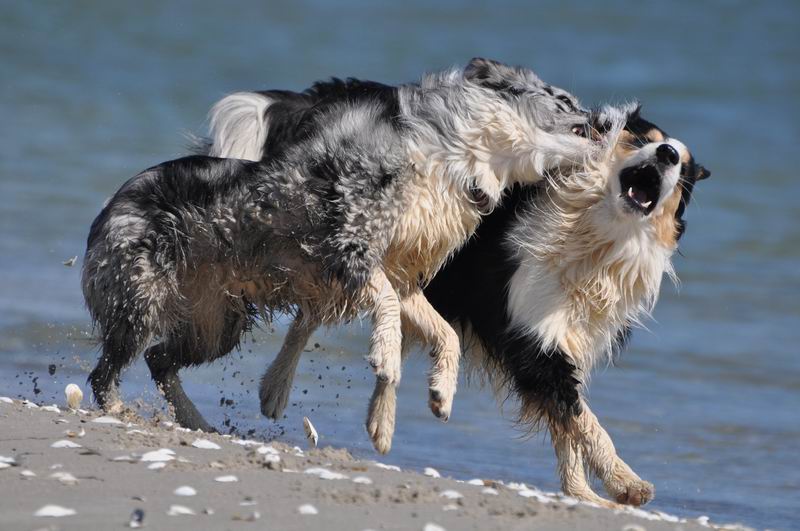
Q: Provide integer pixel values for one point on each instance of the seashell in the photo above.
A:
(431, 472)
(6, 400)
(55, 511)
(388, 467)
(180, 510)
(307, 509)
(137, 519)
(205, 444)
(65, 444)
(430, 526)
(185, 490)
(156, 466)
(28, 474)
(65, 478)
(74, 396)
(107, 420)
(363, 480)
(490, 491)
(324, 473)
(311, 432)
(226, 479)
(51, 409)
(72, 434)
(451, 494)
(163, 454)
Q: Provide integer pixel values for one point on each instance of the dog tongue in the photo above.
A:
(640, 196)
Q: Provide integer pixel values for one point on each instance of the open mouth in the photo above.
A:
(640, 188)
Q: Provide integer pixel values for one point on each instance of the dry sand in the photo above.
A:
(227, 483)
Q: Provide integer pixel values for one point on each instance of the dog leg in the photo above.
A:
(571, 469)
(621, 483)
(385, 344)
(436, 332)
(381, 415)
(164, 370)
(276, 384)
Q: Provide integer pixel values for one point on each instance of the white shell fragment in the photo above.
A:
(451, 494)
(156, 466)
(490, 491)
(431, 472)
(387, 467)
(205, 444)
(8, 460)
(476, 482)
(55, 511)
(65, 444)
(107, 420)
(433, 527)
(4, 465)
(324, 473)
(28, 474)
(363, 480)
(65, 478)
(307, 508)
(185, 490)
(72, 434)
(180, 510)
(226, 479)
(6, 400)
(51, 409)
(163, 454)
(74, 396)
(311, 433)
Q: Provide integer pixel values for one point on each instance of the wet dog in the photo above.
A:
(356, 214)
(552, 282)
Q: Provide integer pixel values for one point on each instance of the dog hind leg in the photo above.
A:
(120, 345)
(164, 370)
(276, 384)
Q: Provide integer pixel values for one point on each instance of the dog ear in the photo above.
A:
(493, 75)
(701, 173)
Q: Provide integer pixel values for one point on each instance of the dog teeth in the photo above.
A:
(632, 195)
(647, 204)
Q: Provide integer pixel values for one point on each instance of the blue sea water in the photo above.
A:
(705, 403)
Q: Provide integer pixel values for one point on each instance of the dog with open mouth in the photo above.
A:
(551, 284)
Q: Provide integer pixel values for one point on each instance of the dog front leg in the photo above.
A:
(385, 343)
(571, 469)
(431, 328)
(619, 480)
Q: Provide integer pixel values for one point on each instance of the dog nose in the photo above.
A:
(667, 154)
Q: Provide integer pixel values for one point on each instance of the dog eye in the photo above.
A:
(580, 130)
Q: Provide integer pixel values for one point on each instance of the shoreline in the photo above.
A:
(109, 470)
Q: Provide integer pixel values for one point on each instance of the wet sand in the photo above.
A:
(109, 471)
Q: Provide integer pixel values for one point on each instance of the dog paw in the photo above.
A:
(380, 430)
(440, 400)
(274, 398)
(636, 493)
(387, 368)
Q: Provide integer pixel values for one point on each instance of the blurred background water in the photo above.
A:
(706, 403)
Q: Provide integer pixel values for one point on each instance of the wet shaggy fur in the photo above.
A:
(358, 212)
(552, 283)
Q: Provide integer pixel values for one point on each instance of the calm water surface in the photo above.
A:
(706, 403)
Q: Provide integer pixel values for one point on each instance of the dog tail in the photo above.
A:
(238, 126)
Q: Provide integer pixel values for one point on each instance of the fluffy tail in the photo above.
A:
(238, 126)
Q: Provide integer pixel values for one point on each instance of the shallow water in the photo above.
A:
(706, 404)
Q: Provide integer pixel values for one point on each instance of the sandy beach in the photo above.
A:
(106, 472)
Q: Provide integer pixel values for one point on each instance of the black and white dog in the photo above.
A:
(356, 214)
(553, 279)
